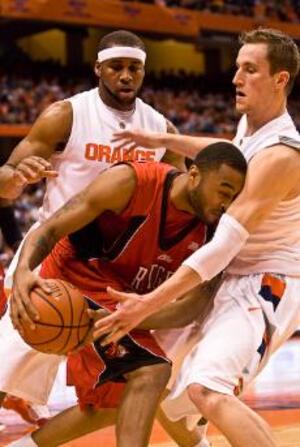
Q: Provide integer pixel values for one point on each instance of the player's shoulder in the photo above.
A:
(58, 109)
(278, 158)
(54, 123)
(279, 152)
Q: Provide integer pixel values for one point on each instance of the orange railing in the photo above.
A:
(14, 130)
(136, 16)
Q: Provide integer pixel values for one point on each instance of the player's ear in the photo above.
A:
(194, 175)
(97, 69)
(282, 78)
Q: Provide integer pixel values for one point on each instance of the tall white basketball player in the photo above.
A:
(257, 240)
(75, 137)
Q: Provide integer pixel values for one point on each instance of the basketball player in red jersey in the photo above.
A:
(71, 143)
(129, 229)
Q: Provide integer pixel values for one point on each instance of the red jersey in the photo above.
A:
(136, 250)
(144, 245)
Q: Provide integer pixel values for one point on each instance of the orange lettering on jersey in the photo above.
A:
(91, 151)
(104, 152)
(116, 155)
(139, 155)
(150, 155)
(128, 155)
(101, 152)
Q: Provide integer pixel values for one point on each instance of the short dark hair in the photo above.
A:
(121, 38)
(217, 154)
(283, 53)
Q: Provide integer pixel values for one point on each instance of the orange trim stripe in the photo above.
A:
(276, 285)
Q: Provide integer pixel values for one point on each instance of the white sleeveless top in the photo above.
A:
(89, 149)
(275, 245)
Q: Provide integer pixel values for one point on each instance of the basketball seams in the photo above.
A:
(49, 340)
(65, 326)
(83, 310)
(71, 314)
(60, 315)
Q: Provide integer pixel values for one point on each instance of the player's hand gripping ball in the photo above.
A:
(64, 322)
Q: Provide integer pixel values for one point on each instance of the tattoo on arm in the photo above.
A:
(45, 242)
(70, 204)
(41, 249)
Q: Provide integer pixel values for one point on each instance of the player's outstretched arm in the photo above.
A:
(196, 305)
(28, 161)
(185, 145)
(136, 308)
(111, 190)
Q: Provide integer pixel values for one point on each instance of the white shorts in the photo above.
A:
(24, 372)
(252, 317)
(177, 343)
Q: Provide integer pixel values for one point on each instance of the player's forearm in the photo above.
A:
(187, 145)
(173, 315)
(9, 188)
(176, 160)
(36, 248)
(182, 282)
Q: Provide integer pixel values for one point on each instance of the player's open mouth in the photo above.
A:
(126, 90)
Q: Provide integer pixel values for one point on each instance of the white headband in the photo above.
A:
(116, 52)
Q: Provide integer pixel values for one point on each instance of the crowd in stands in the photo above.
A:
(22, 100)
(284, 10)
(193, 103)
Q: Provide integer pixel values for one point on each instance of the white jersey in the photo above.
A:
(89, 149)
(275, 245)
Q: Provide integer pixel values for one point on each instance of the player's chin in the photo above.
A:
(212, 217)
(240, 107)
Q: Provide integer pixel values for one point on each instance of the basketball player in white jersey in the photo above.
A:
(75, 137)
(257, 241)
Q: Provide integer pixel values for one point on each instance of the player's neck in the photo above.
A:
(257, 119)
(178, 194)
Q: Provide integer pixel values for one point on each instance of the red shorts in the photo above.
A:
(97, 372)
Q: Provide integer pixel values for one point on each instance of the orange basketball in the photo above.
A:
(64, 322)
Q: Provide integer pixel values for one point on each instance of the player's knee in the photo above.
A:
(206, 400)
(162, 374)
(154, 377)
